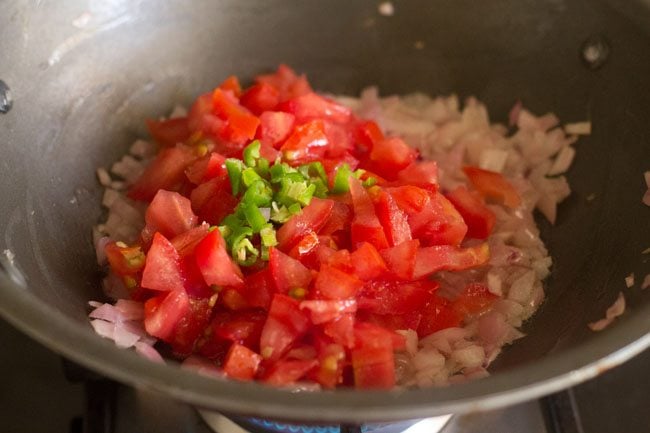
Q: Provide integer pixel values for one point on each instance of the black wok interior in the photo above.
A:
(81, 95)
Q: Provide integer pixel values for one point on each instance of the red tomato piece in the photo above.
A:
(275, 127)
(394, 322)
(285, 324)
(215, 263)
(306, 143)
(373, 361)
(367, 134)
(234, 300)
(206, 168)
(339, 219)
(260, 97)
(494, 186)
(369, 335)
(190, 327)
(322, 311)
(439, 223)
(437, 315)
(163, 312)
(474, 299)
(478, 217)
(393, 219)
(232, 84)
(410, 199)
(170, 214)
(394, 297)
(314, 106)
(400, 259)
(287, 82)
(240, 125)
(241, 327)
(124, 260)
(287, 272)
(301, 352)
(333, 283)
(341, 330)
(241, 362)
(193, 282)
(259, 288)
(449, 258)
(365, 224)
(212, 200)
(391, 155)
(331, 360)
(367, 262)
(420, 173)
(185, 243)
(305, 250)
(167, 171)
(201, 107)
(340, 260)
(162, 269)
(169, 132)
(340, 138)
(312, 218)
(287, 372)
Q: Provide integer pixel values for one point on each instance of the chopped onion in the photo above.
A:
(563, 161)
(386, 9)
(103, 176)
(469, 357)
(143, 149)
(646, 196)
(629, 280)
(617, 308)
(578, 128)
(493, 159)
(646, 282)
(178, 111)
(149, 352)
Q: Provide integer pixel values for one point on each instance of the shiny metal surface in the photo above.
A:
(84, 75)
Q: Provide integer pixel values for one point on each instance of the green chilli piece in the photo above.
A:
(280, 214)
(342, 179)
(295, 192)
(259, 193)
(244, 252)
(234, 168)
(371, 181)
(249, 176)
(262, 167)
(267, 236)
(252, 153)
(254, 217)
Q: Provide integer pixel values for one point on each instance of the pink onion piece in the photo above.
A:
(616, 309)
(646, 282)
(148, 352)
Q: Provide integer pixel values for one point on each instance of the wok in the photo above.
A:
(85, 74)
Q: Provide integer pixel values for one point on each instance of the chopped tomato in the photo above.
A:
(241, 362)
(190, 327)
(305, 250)
(322, 311)
(212, 200)
(479, 219)
(449, 258)
(240, 125)
(201, 108)
(393, 219)
(313, 106)
(287, 372)
(339, 219)
(373, 362)
(436, 315)
(367, 262)
(287, 272)
(367, 135)
(169, 132)
(241, 327)
(170, 214)
(275, 127)
(333, 283)
(162, 268)
(306, 143)
(420, 173)
(215, 263)
(312, 218)
(287, 82)
(340, 139)
(162, 313)
(474, 299)
(391, 155)
(493, 185)
(400, 259)
(233, 300)
(124, 260)
(231, 84)
(206, 168)
(410, 199)
(395, 297)
(340, 260)
(341, 330)
(185, 243)
(260, 98)
(258, 289)
(365, 224)
(167, 171)
(331, 360)
(285, 324)
(439, 223)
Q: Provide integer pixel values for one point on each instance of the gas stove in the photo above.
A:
(40, 392)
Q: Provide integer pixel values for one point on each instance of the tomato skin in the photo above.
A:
(241, 362)
(494, 186)
(410, 199)
(365, 224)
(312, 218)
(287, 372)
(275, 127)
(206, 168)
(287, 273)
(306, 143)
(367, 262)
(170, 214)
(313, 106)
(260, 98)
(162, 313)
(240, 327)
(420, 173)
(162, 270)
(284, 325)
(341, 330)
(367, 134)
(394, 220)
(259, 288)
(190, 327)
(212, 200)
(215, 263)
(340, 219)
(240, 125)
(166, 171)
(185, 243)
(169, 132)
(449, 258)
(400, 259)
(322, 311)
(479, 218)
(437, 315)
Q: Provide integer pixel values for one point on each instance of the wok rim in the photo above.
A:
(554, 372)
